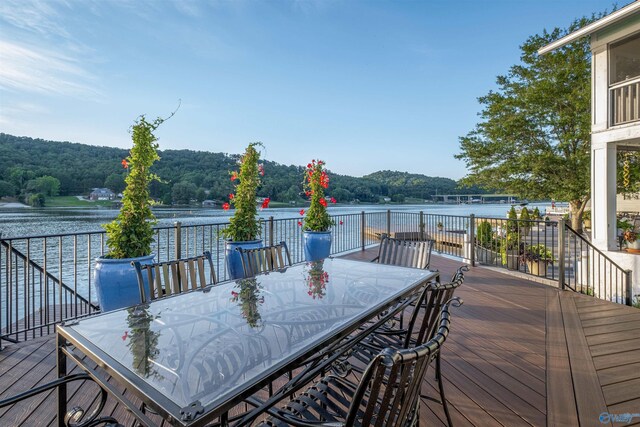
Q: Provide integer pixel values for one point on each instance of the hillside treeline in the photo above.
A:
(35, 167)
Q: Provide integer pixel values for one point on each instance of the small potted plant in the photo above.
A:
(440, 226)
(130, 234)
(317, 223)
(244, 226)
(631, 237)
(537, 258)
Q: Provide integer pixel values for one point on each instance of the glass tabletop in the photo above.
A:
(209, 346)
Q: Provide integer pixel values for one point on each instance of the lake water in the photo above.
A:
(32, 222)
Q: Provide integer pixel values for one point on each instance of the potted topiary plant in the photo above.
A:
(536, 214)
(130, 234)
(511, 246)
(485, 244)
(316, 224)
(244, 226)
(537, 258)
(525, 224)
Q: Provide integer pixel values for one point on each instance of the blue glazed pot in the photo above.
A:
(232, 257)
(116, 282)
(317, 245)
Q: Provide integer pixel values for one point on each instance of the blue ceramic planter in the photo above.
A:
(317, 245)
(116, 282)
(232, 257)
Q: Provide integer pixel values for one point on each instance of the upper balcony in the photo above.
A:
(625, 102)
(624, 81)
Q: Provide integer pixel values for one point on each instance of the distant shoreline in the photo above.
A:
(12, 205)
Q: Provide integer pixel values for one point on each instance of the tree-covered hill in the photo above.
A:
(29, 166)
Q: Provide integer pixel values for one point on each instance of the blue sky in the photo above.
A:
(364, 85)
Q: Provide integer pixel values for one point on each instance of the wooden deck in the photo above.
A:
(519, 353)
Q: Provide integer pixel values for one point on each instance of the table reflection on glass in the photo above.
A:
(193, 356)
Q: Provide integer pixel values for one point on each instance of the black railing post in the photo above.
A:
(178, 239)
(271, 231)
(389, 222)
(628, 288)
(422, 235)
(362, 229)
(472, 239)
(561, 253)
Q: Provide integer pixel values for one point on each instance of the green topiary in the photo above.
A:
(131, 233)
(536, 214)
(315, 182)
(485, 234)
(244, 224)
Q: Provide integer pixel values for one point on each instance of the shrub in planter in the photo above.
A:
(130, 234)
(537, 258)
(317, 223)
(525, 225)
(244, 228)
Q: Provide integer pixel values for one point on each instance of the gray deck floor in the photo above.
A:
(519, 353)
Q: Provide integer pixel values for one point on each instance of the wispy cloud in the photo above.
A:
(34, 16)
(34, 69)
(37, 52)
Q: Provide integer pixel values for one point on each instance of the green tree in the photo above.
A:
(36, 200)
(183, 192)
(201, 195)
(534, 137)
(115, 182)
(7, 189)
(47, 185)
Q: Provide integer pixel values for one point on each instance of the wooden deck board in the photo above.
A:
(502, 365)
(561, 401)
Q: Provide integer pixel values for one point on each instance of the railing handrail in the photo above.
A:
(592, 247)
(50, 276)
(624, 83)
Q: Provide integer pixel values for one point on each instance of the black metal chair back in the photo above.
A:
(405, 253)
(263, 260)
(389, 390)
(428, 306)
(176, 276)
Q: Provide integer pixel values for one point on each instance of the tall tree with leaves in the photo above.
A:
(534, 137)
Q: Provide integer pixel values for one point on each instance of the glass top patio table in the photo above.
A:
(206, 349)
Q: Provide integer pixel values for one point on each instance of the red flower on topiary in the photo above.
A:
(265, 203)
(225, 206)
(125, 164)
(301, 211)
(333, 200)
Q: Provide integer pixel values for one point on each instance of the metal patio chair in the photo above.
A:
(421, 328)
(388, 393)
(404, 253)
(264, 260)
(175, 276)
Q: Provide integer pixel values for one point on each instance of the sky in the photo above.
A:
(363, 85)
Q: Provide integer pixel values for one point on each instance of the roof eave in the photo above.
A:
(612, 18)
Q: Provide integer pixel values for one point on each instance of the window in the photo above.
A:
(624, 60)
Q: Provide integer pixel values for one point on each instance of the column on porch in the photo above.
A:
(603, 193)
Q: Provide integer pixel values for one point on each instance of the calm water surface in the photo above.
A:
(31, 221)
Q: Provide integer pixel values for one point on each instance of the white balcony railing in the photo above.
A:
(625, 102)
